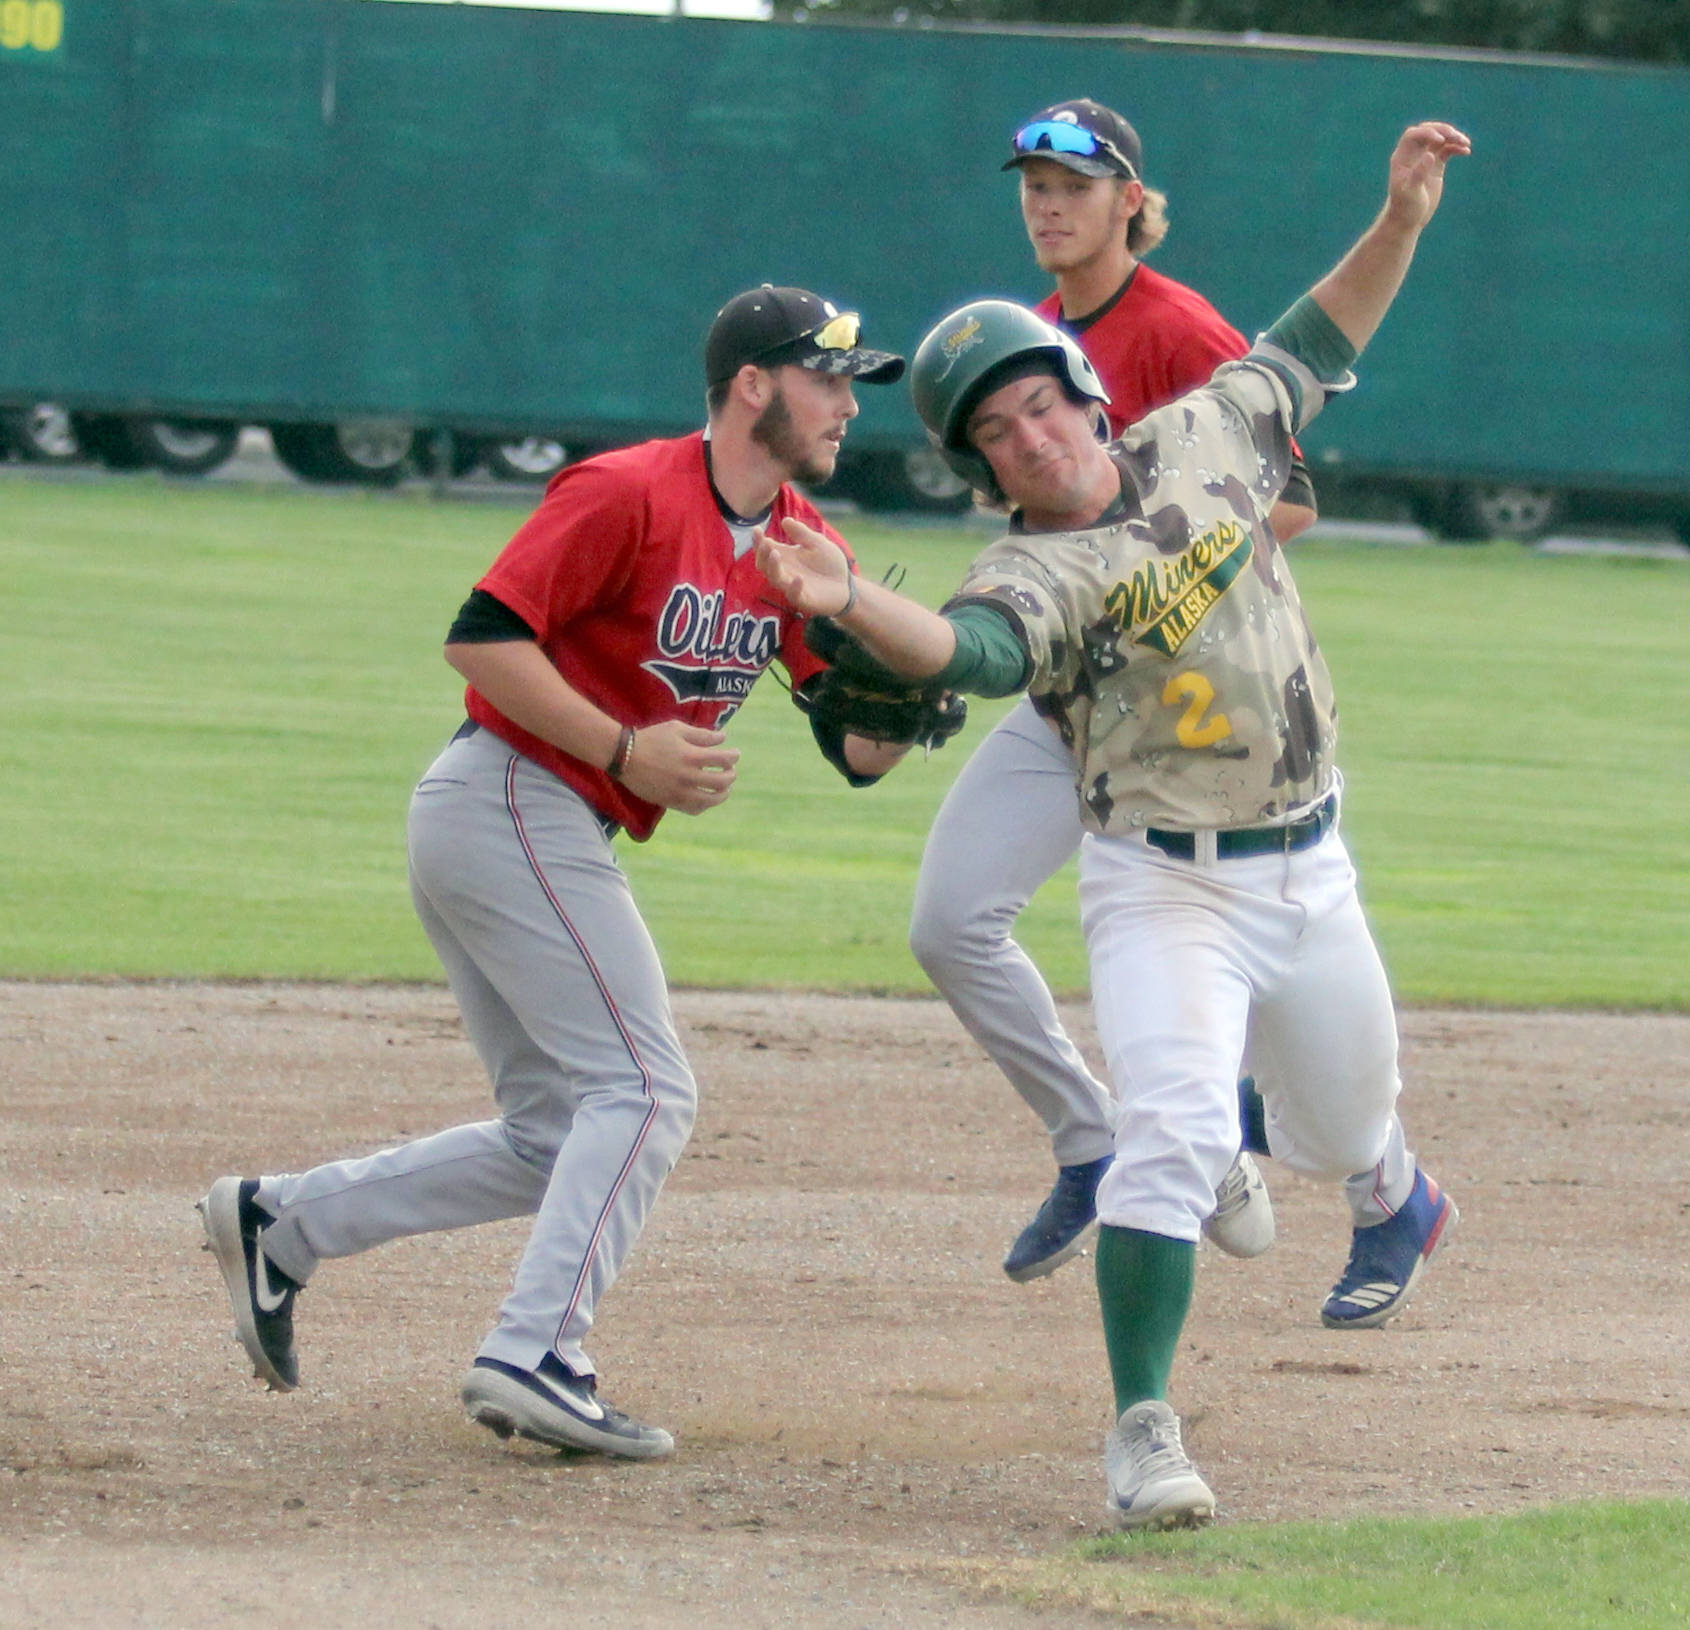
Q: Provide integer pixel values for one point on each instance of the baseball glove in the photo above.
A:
(858, 696)
(903, 716)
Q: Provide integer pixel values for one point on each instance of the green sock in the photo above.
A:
(1144, 1287)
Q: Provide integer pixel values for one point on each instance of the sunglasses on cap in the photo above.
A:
(839, 333)
(1059, 136)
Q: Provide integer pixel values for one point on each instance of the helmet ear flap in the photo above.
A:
(1083, 378)
(971, 466)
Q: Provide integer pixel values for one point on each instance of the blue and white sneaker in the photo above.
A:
(260, 1293)
(1387, 1258)
(1059, 1229)
(552, 1404)
(1152, 1483)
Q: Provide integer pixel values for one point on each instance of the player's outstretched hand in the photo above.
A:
(1417, 170)
(681, 766)
(807, 567)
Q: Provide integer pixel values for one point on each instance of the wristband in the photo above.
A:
(619, 760)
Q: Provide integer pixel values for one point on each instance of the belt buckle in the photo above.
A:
(1316, 824)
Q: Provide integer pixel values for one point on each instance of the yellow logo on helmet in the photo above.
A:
(959, 340)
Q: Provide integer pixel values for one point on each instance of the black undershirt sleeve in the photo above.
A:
(484, 619)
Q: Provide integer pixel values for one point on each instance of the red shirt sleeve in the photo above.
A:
(575, 551)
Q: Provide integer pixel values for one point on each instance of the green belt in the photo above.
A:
(1254, 840)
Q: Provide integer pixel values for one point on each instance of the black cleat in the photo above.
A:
(261, 1294)
(553, 1405)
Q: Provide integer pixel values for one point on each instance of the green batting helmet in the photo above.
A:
(961, 355)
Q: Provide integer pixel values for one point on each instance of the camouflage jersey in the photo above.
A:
(1168, 642)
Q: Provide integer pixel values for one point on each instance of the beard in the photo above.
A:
(774, 430)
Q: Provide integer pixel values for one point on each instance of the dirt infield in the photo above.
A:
(860, 1397)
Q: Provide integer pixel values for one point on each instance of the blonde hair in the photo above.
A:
(1150, 225)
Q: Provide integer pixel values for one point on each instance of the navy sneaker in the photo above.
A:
(1252, 1117)
(260, 1293)
(1059, 1230)
(1386, 1259)
(552, 1404)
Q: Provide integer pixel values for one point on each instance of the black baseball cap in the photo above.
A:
(773, 327)
(1086, 136)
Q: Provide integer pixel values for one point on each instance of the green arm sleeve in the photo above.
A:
(1314, 340)
(990, 658)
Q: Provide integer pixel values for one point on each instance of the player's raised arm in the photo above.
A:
(1359, 290)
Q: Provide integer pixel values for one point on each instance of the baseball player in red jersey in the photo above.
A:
(604, 650)
(1090, 219)
(1011, 819)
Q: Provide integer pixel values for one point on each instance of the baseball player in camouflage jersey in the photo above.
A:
(1010, 820)
(605, 650)
(1155, 620)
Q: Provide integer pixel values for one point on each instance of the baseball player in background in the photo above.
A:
(1011, 819)
(1156, 620)
(605, 650)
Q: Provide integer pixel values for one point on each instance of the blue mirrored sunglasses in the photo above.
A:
(1058, 136)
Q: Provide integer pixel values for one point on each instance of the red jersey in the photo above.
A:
(627, 575)
(1157, 340)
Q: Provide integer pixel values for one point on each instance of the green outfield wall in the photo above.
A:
(516, 218)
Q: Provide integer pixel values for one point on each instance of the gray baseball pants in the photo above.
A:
(563, 998)
(1010, 822)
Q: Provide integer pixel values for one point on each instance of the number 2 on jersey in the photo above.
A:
(1193, 729)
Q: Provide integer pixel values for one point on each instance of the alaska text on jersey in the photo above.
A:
(1164, 600)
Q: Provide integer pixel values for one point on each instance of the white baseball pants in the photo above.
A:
(1194, 964)
(564, 1000)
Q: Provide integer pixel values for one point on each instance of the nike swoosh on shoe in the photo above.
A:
(577, 1399)
(268, 1299)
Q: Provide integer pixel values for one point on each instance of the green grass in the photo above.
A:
(1515, 746)
(219, 698)
(1602, 1566)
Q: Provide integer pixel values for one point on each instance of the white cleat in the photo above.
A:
(1151, 1482)
(1242, 1222)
